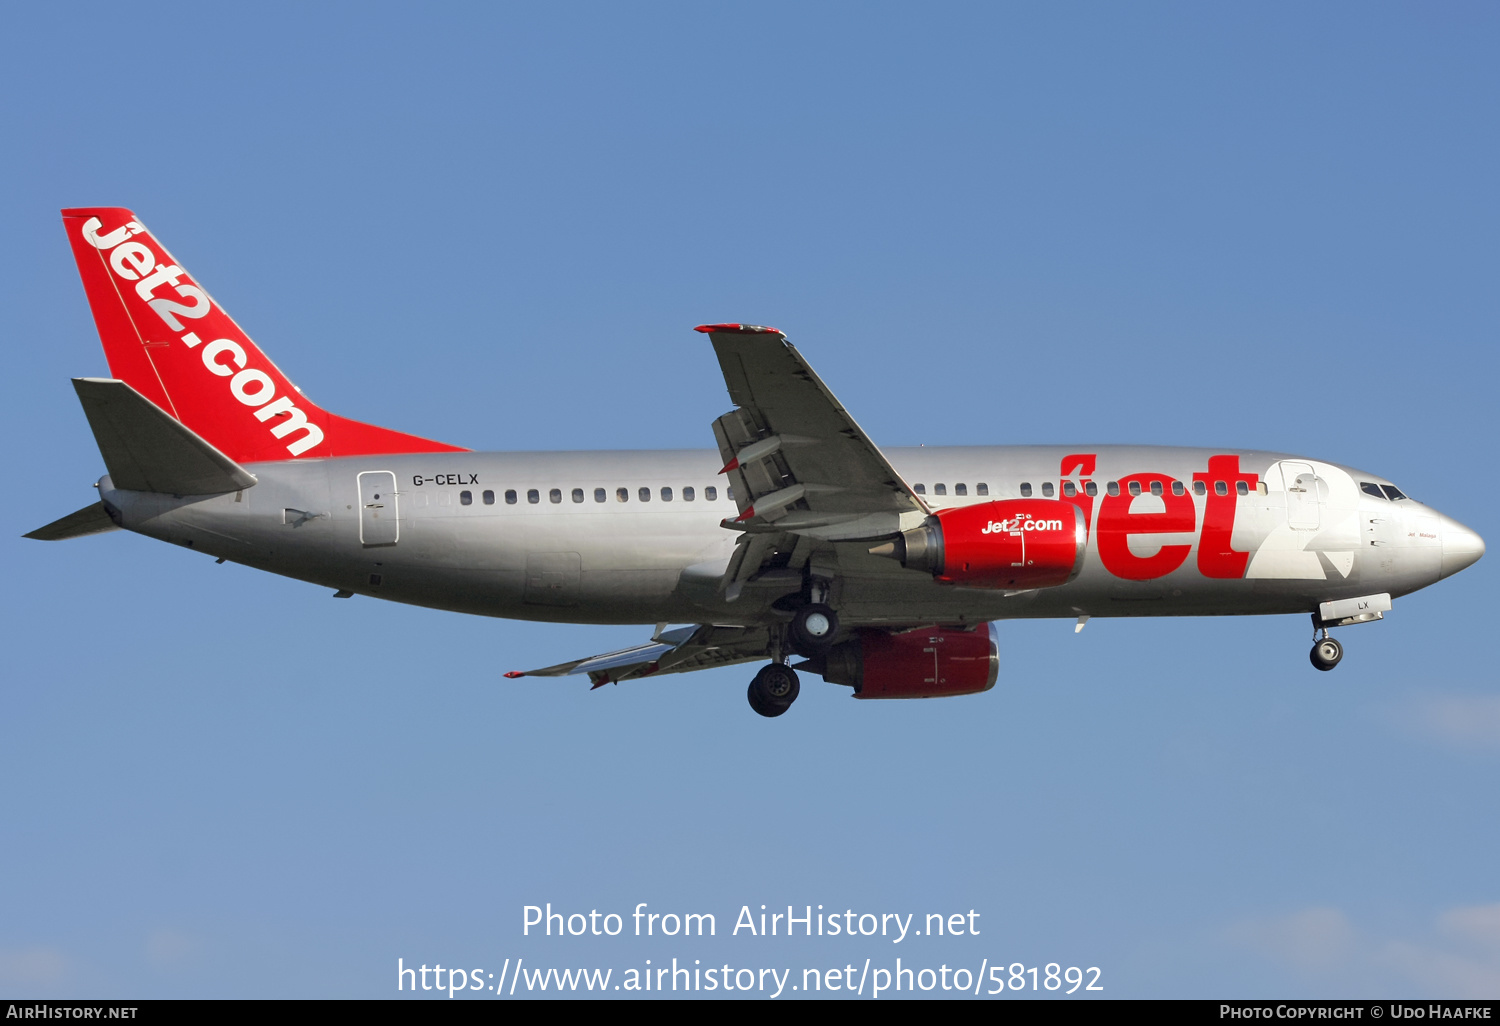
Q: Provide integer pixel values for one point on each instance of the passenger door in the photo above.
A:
(1303, 502)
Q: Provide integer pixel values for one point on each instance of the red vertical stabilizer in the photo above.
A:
(166, 337)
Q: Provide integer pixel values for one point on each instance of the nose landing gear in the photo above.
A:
(1326, 652)
(774, 689)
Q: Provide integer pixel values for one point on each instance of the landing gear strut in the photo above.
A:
(1326, 652)
(774, 689)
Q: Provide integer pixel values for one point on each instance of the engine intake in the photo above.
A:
(1009, 543)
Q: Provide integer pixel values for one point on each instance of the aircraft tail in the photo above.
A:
(168, 340)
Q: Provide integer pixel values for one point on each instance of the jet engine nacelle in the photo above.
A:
(1009, 543)
(932, 662)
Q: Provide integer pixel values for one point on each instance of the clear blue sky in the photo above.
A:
(1267, 225)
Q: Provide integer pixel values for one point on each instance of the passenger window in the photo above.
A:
(489, 497)
(939, 489)
(1156, 488)
(1025, 489)
(532, 495)
(730, 493)
(1371, 488)
(920, 489)
(510, 496)
(1260, 488)
(644, 494)
(688, 495)
(1069, 488)
(555, 495)
(710, 494)
(466, 498)
(622, 494)
(1177, 488)
(1113, 488)
(1047, 489)
(577, 494)
(666, 495)
(1242, 487)
(960, 489)
(1199, 488)
(1135, 488)
(1220, 488)
(1090, 488)
(600, 495)
(1392, 492)
(981, 489)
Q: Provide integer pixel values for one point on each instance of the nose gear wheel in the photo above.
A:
(1326, 653)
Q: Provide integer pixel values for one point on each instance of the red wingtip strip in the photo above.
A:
(513, 674)
(738, 329)
(731, 465)
(749, 514)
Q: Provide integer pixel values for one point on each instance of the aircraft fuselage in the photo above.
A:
(638, 537)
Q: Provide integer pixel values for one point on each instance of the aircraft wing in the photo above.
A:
(804, 473)
(688, 648)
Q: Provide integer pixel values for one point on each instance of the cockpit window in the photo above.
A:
(1392, 492)
(1371, 488)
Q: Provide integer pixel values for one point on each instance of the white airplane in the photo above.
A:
(882, 570)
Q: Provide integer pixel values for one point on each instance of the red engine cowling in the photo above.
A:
(932, 662)
(1009, 543)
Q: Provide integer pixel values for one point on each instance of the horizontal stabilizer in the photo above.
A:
(146, 450)
(89, 520)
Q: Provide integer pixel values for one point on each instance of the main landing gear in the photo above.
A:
(810, 634)
(774, 689)
(812, 629)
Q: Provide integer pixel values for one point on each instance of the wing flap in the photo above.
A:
(790, 429)
(800, 469)
(688, 648)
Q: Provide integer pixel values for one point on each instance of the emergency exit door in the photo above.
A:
(378, 524)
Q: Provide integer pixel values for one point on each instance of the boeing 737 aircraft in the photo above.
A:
(880, 570)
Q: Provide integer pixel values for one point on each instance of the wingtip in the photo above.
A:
(738, 329)
(513, 674)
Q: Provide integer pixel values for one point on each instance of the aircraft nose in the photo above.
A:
(1461, 546)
